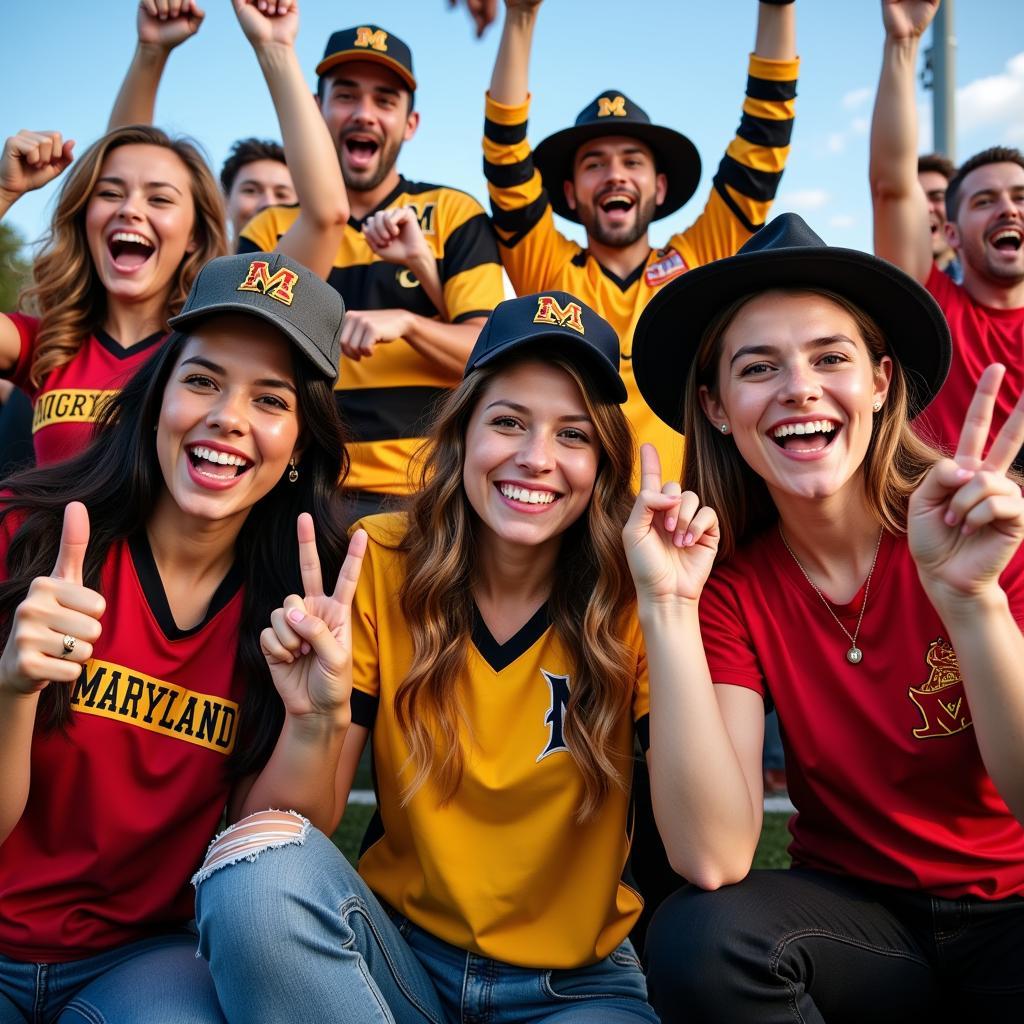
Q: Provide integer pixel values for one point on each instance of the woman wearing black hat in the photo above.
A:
(498, 669)
(871, 589)
(138, 696)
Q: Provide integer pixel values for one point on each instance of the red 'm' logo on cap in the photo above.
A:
(280, 286)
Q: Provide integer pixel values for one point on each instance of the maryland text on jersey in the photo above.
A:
(129, 696)
(68, 405)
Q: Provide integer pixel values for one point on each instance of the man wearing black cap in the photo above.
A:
(615, 172)
(418, 265)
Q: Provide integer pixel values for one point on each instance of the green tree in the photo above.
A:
(15, 269)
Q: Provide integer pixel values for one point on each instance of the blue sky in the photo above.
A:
(683, 60)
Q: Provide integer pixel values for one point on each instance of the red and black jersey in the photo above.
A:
(124, 801)
(68, 402)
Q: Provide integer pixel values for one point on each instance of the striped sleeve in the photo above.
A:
(531, 248)
(470, 268)
(748, 177)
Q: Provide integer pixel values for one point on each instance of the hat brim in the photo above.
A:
(301, 341)
(549, 344)
(675, 156)
(347, 56)
(670, 329)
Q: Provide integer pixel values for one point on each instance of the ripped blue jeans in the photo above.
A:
(292, 933)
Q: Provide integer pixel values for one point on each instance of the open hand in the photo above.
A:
(58, 613)
(308, 645)
(966, 519)
(671, 539)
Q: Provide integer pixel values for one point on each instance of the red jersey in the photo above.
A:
(981, 335)
(124, 802)
(881, 757)
(67, 404)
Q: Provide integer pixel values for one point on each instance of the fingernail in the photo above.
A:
(294, 615)
(670, 524)
(678, 541)
(950, 518)
(966, 529)
(688, 540)
(964, 474)
(304, 648)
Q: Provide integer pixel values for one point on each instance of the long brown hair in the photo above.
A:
(895, 462)
(67, 294)
(590, 596)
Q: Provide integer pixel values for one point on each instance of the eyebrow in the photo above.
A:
(149, 184)
(574, 418)
(351, 84)
(263, 382)
(768, 350)
(600, 151)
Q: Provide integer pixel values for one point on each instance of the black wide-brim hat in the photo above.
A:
(614, 113)
(787, 254)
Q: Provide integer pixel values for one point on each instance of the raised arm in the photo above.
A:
(162, 25)
(776, 30)
(898, 202)
(314, 237)
(510, 82)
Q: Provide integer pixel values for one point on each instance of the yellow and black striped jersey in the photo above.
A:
(504, 869)
(537, 257)
(387, 399)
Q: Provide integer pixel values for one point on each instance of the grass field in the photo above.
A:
(771, 850)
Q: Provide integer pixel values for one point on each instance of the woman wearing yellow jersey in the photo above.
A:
(498, 669)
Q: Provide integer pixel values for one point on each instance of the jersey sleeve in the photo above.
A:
(748, 176)
(470, 269)
(531, 248)
(264, 231)
(27, 328)
(727, 641)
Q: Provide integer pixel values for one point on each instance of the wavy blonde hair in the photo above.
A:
(894, 464)
(591, 594)
(67, 294)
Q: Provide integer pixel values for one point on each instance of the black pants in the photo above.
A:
(799, 945)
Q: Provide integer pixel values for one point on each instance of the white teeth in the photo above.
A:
(222, 458)
(528, 496)
(130, 236)
(1009, 233)
(814, 427)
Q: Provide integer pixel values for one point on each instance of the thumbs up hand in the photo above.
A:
(55, 627)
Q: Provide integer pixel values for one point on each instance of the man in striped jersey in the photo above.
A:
(615, 172)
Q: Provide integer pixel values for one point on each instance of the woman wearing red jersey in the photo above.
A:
(872, 590)
(138, 696)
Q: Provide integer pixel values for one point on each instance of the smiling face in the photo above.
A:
(139, 221)
(367, 110)
(615, 189)
(258, 184)
(796, 388)
(989, 229)
(229, 421)
(532, 454)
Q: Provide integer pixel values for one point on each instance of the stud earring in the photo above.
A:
(724, 428)
(293, 473)
(877, 406)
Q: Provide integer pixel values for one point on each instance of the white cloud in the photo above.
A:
(860, 126)
(995, 100)
(836, 142)
(803, 200)
(842, 220)
(856, 98)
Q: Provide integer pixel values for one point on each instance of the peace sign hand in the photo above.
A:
(671, 539)
(308, 645)
(966, 519)
(55, 627)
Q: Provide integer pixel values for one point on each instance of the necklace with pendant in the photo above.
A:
(854, 655)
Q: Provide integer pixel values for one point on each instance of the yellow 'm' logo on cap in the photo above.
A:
(374, 39)
(550, 312)
(614, 106)
(281, 286)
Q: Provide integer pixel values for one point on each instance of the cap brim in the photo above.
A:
(605, 373)
(670, 329)
(675, 156)
(346, 56)
(301, 341)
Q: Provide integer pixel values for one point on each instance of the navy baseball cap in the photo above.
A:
(372, 43)
(555, 323)
(275, 288)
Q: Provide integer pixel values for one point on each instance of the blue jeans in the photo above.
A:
(294, 934)
(154, 981)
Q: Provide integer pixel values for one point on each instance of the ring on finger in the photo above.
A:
(69, 643)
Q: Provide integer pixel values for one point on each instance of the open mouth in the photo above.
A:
(811, 436)
(1007, 239)
(129, 250)
(617, 203)
(361, 149)
(527, 495)
(217, 465)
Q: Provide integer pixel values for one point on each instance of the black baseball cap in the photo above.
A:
(786, 253)
(555, 323)
(275, 288)
(372, 43)
(614, 113)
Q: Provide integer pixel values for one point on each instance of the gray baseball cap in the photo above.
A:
(277, 289)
